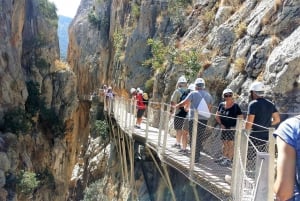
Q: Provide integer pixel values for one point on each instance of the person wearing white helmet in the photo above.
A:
(179, 115)
(193, 100)
(141, 107)
(226, 116)
(261, 115)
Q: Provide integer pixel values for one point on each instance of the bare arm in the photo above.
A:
(285, 180)
(249, 121)
(276, 118)
(183, 103)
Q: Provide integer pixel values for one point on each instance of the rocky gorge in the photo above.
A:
(47, 130)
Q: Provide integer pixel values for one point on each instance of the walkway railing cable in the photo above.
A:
(207, 173)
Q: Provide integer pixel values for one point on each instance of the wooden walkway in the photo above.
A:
(206, 174)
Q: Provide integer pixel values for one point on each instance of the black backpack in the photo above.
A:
(181, 112)
(145, 98)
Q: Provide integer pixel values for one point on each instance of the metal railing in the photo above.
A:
(251, 172)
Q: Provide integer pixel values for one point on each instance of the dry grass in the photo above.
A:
(206, 64)
(275, 40)
(208, 17)
(240, 30)
(188, 10)
(159, 19)
(61, 65)
(216, 83)
(260, 76)
(277, 4)
(239, 64)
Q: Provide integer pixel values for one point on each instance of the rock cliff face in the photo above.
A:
(237, 42)
(44, 119)
(228, 43)
(39, 110)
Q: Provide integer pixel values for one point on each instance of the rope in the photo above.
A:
(257, 181)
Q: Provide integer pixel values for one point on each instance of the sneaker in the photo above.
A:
(226, 163)
(221, 159)
(183, 151)
(176, 146)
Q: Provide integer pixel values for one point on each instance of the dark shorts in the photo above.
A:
(227, 134)
(140, 113)
(178, 123)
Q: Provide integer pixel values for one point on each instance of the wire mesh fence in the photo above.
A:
(199, 151)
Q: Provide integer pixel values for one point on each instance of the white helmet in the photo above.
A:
(132, 90)
(258, 88)
(199, 82)
(227, 91)
(182, 80)
(191, 87)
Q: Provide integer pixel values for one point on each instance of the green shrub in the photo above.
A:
(46, 178)
(17, 121)
(191, 61)
(32, 104)
(118, 43)
(27, 182)
(149, 85)
(48, 9)
(176, 10)
(159, 53)
(102, 129)
(135, 10)
(50, 120)
(94, 19)
(94, 192)
(41, 63)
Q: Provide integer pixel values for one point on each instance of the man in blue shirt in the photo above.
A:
(287, 135)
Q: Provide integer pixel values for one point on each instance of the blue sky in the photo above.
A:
(66, 7)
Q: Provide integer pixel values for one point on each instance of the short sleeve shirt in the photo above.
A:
(195, 97)
(263, 110)
(289, 132)
(228, 115)
(140, 102)
(175, 98)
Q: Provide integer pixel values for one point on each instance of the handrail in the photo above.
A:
(242, 185)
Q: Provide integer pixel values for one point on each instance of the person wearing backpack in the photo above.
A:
(179, 114)
(141, 107)
(199, 100)
(226, 116)
(287, 183)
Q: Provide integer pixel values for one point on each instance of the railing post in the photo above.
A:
(161, 120)
(134, 114)
(271, 171)
(194, 138)
(236, 168)
(147, 122)
(261, 178)
(166, 129)
(125, 113)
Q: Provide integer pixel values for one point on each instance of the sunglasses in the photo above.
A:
(227, 95)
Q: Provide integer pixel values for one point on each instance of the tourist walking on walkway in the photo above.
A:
(261, 115)
(194, 99)
(184, 111)
(180, 114)
(141, 107)
(287, 184)
(226, 116)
